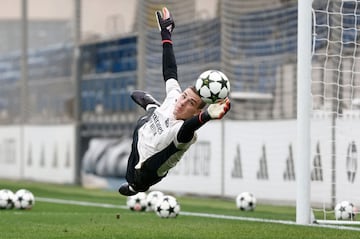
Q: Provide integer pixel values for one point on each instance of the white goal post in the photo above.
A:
(303, 112)
(328, 112)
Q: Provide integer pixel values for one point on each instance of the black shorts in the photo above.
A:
(140, 179)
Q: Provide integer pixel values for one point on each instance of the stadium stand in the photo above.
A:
(108, 76)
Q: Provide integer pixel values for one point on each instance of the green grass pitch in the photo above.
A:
(65, 211)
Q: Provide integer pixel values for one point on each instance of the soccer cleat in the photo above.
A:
(125, 190)
(143, 99)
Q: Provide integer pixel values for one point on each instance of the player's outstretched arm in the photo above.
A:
(214, 111)
(218, 110)
(166, 25)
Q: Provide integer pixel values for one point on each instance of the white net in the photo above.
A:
(335, 93)
(259, 51)
(252, 42)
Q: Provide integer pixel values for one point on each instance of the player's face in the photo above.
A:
(187, 105)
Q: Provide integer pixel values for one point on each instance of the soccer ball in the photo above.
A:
(137, 202)
(345, 210)
(152, 199)
(6, 199)
(167, 207)
(245, 201)
(24, 199)
(212, 86)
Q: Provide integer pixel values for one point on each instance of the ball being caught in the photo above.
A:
(212, 86)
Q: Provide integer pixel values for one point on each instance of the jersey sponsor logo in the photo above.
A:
(156, 125)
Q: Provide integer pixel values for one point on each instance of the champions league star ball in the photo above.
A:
(246, 201)
(24, 199)
(345, 210)
(167, 207)
(212, 86)
(137, 202)
(152, 199)
(6, 199)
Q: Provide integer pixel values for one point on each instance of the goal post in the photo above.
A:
(335, 113)
(303, 112)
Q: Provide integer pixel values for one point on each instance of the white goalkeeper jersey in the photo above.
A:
(157, 135)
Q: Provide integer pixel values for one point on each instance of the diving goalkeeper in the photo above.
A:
(167, 130)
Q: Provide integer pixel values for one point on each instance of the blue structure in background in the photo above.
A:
(109, 75)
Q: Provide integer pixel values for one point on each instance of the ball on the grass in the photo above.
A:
(167, 207)
(152, 198)
(7, 198)
(137, 202)
(24, 199)
(246, 201)
(345, 210)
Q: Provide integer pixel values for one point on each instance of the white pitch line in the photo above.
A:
(219, 216)
(80, 203)
(194, 214)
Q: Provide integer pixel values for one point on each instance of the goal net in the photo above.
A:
(335, 91)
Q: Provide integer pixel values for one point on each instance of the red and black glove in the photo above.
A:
(166, 24)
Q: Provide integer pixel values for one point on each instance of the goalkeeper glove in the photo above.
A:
(218, 110)
(166, 24)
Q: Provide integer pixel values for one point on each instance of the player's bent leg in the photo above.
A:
(145, 178)
(127, 189)
(143, 99)
(141, 182)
